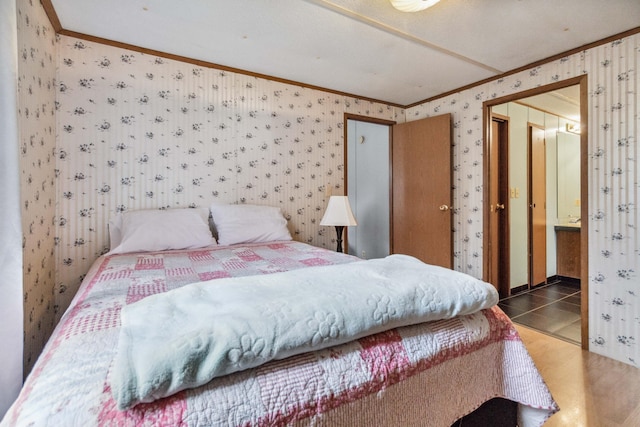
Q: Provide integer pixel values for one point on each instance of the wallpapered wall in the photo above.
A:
(36, 115)
(137, 131)
(614, 177)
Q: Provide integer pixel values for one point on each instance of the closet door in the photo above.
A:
(368, 186)
(537, 207)
(422, 175)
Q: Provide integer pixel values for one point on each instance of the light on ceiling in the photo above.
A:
(573, 128)
(412, 5)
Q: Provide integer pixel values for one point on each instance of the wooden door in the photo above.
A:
(421, 190)
(499, 271)
(537, 207)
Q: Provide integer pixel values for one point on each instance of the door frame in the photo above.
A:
(584, 185)
(389, 124)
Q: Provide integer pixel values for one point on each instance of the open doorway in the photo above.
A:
(411, 167)
(368, 173)
(527, 136)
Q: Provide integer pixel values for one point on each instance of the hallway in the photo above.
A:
(553, 309)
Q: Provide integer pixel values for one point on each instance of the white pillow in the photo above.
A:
(115, 231)
(159, 230)
(249, 223)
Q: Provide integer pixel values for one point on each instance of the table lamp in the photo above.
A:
(339, 214)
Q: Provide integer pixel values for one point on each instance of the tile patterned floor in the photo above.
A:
(553, 309)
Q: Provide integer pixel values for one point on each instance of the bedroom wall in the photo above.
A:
(614, 243)
(36, 116)
(111, 105)
(137, 131)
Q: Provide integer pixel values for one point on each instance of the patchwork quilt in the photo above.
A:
(70, 384)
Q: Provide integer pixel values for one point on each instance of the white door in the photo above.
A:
(368, 182)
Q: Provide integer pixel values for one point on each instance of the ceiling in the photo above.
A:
(563, 102)
(364, 48)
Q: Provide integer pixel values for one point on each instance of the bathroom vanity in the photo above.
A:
(568, 250)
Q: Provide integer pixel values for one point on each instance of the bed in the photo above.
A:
(464, 370)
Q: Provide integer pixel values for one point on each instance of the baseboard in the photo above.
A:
(570, 280)
(518, 289)
(550, 280)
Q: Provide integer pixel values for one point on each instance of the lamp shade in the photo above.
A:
(338, 212)
(412, 5)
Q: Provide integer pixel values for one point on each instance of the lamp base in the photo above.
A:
(339, 229)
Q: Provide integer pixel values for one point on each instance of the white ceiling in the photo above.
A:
(563, 102)
(360, 47)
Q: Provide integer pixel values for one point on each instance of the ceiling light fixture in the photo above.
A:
(573, 128)
(412, 5)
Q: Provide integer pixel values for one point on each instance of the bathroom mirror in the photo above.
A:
(568, 170)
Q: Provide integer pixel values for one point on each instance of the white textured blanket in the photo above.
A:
(183, 338)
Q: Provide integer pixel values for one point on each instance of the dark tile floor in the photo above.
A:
(553, 308)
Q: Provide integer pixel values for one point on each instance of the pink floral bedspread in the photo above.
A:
(69, 383)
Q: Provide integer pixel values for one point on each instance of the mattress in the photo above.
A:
(431, 373)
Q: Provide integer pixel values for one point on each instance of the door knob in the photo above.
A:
(499, 206)
(445, 207)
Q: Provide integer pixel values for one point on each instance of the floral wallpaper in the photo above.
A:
(137, 131)
(614, 176)
(36, 115)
